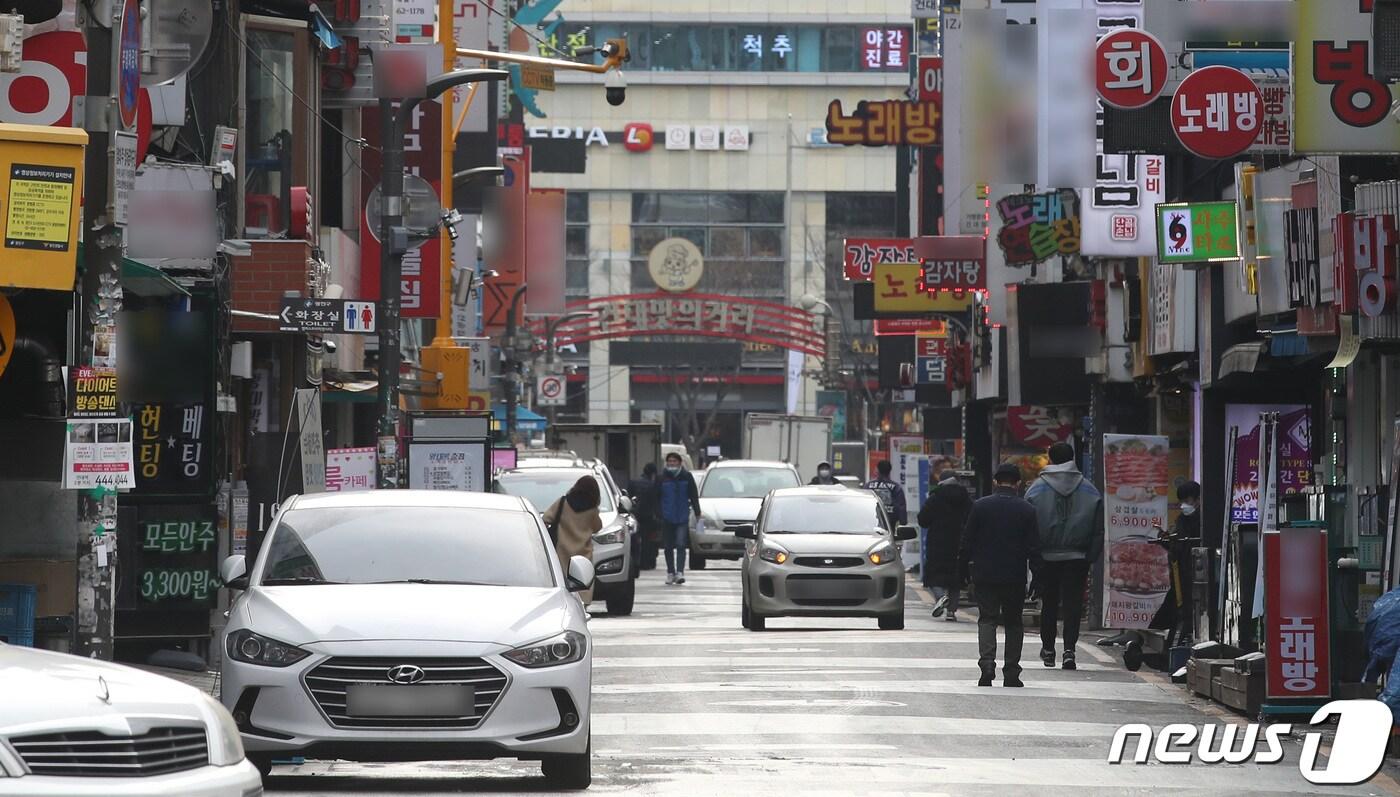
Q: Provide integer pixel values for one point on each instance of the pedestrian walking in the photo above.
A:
(1070, 513)
(824, 475)
(890, 492)
(944, 514)
(572, 521)
(678, 497)
(646, 508)
(1000, 541)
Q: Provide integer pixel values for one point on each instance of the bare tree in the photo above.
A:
(696, 410)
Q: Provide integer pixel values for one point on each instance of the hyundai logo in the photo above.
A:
(406, 674)
(828, 562)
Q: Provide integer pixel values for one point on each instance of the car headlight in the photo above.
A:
(772, 553)
(611, 535)
(225, 741)
(883, 554)
(250, 648)
(566, 648)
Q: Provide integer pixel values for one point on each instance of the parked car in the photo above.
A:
(616, 549)
(730, 495)
(409, 625)
(75, 726)
(823, 551)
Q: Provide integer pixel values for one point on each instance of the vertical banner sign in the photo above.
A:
(1296, 632)
(171, 457)
(506, 255)
(1338, 104)
(1136, 486)
(544, 248)
(1294, 454)
(313, 452)
(422, 267)
(175, 562)
(350, 469)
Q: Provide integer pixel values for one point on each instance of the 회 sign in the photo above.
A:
(328, 316)
(1130, 67)
(1216, 112)
(1197, 232)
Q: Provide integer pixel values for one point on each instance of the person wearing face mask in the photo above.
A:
(824, 475)
(1176, 612)
(678, 497)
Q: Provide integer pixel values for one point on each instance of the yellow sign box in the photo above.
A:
(897, 291)
(540, 78)
(41, 188)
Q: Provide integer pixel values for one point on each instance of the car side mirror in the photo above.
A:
(745, 531)
(580, 575)
(625, 504)
(234, 572)
(906, 532)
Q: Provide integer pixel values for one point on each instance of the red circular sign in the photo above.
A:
(1130, 68)
(1217, 112)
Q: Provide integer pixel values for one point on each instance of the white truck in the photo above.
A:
(625, 447)
(803, 441)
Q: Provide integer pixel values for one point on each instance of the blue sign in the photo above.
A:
(129, 64)
(931, 370)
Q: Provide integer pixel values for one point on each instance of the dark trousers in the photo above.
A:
(1000, 605)
(1062, 592)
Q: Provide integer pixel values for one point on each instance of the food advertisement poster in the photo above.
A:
(1136, 488)
(1294, 454)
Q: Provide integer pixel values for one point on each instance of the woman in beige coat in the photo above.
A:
(572, 522)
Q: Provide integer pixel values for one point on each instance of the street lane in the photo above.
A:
(686, 702)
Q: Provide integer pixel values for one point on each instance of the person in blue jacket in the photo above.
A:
(679, 498)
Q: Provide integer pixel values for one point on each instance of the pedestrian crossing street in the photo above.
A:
(687, 702)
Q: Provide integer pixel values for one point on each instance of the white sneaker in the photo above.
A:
(670, 578)
(680, 578)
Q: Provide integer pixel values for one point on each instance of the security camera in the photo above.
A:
(450, 220)
(616, 86)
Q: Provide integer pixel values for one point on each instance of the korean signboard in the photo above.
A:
(1136, 491)
(350, 469)
(1036, 227)
(1304, 266)
(701, 314)
(92, 392)
(98, 454)
(1130, 68)
(1365, 264)
(170, 452)
(1294, 454)
(953, 262)
(884, 123)
(1197, 232)
(861, 255)
(930, 359)
(176, 555)
(899, 289)
(447, 466)
(1296, 632)
(1216, 112)
(1035, 427)
(1338, 104)
(420, 281)
(884, 48)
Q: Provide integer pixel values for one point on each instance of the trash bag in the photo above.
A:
(1382, 646)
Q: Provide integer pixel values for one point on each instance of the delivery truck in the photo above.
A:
(624, 447)
(803, 441)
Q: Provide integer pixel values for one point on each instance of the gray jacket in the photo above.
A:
(1069, 511)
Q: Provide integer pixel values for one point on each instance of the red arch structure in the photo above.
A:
(693, 315)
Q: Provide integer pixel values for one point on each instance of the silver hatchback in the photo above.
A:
(823, 552)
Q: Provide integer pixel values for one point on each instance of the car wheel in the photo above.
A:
(697, 562)
(756, 621)
(263, 763)
(892, 622)
(621, 597)
(569, 770)
(744, 619)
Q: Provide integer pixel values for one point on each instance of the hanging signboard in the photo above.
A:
(884, 123)
(1136, 487)
(899, 289)
(98, 454)
(171, 457)
(1338, 104)
(1301, 253)
(861, 255)
(1294, 454)
(953, 262)
(1197, 232)
(930, 359)
(1297, 642)
(1216, 112)
(1036, 227)
(1130, 68)
(421, 266)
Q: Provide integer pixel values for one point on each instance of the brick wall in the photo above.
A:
(261, 279)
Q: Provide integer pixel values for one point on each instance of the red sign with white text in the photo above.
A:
(1217, 111)
(909, 326)
(1364, 269)
(1130, 67)
(884, 48)
(1296, 633)
(861, 255)
(422, 267)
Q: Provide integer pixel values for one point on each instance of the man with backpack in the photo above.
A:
(1069, 511)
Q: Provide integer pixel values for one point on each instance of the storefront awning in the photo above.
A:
(525, 420)
(1242, 358)
(144, 280)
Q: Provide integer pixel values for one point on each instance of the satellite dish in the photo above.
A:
(174, 36)
(422, 212)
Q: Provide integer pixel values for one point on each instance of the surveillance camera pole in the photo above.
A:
(393, 244)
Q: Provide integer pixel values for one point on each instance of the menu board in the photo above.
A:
(447, 466)
(1136, 487)
(175, 550)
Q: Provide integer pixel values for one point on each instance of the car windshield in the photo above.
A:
(380, 544)
(746, 482)
(848, 513)
(543, 487)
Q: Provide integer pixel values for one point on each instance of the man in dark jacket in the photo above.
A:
(824, 475)
(1175, 615)
(944, 514)
(646, 508)
(679, 497)
(1070, 512)
(1001, 540)
(890, 491)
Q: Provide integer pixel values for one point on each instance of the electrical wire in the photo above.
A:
(491, 9)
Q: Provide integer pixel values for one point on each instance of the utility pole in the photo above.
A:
(99, 301)
(513, 375)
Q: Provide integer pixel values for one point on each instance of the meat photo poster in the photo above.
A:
(1136, 493)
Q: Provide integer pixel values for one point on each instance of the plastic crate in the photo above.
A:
(17, 606)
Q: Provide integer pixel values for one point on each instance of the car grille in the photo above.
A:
(92, 754)
(829, 561)
(327, 684)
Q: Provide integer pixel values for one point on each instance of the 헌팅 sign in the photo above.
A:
(170, 452)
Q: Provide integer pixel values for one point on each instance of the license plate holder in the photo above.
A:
(418, 700)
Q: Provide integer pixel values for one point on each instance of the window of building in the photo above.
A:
(576, 245)
(739, 234)
(280, 141)
(747, 48)
(852, 215)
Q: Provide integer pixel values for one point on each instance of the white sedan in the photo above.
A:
(78, 727)
(411, 625)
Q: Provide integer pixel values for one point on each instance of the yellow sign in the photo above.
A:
(897, 291)
(7, 332)
(540, 78)
(41, 186)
